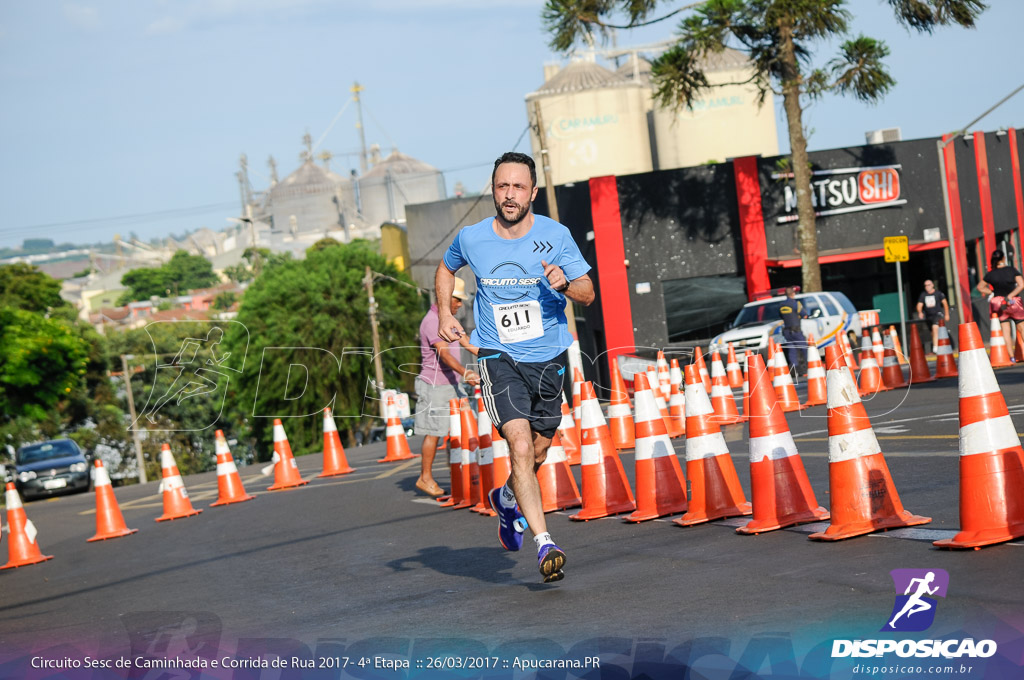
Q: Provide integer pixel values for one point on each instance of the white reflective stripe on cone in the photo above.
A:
(697, 402)
(455, 456)
(868, 363)
(772, 446)
(166, 459)
(329, 424)
(500, 448)
(220, 446)
(815, 372)
(13, 499)
(468, 456)
(485, 456)
(988, 436)
(30, 531)
(852, 445)
(783, 379)
(171, 483)
(618, 410)
(590, 454)
(591, 413)
(226, 468)
(841, 389)
(976, 375)
(276, 458)
(997, 340)
(943, 349)
(706, 446)
(657, 446)
(101, 477)
(394, 430)
(556, 454)
(721, 391)
(279, 435)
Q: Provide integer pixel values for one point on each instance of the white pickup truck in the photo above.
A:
(828, 314)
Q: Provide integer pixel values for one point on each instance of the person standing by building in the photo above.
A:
(438, 382)
(526, 265)
(791, 311)
(1004, 283)
(932, 306)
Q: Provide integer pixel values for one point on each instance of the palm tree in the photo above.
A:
(778, 37)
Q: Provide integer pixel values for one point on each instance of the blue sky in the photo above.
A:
(142, 108)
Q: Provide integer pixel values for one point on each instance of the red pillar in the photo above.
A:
(611, 265)
(957, 223)
(755, 244)
(984, 193)
(1018, 192)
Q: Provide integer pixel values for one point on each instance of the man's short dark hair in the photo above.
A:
(516, 157)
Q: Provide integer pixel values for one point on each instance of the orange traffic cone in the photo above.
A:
(864, 498)
(620, 415)
(335, 462)
(892, 372)
(732, 369)
(673, 426)
(229, 483)
(998, 355)
(721, 394)
(569, 430)
(785, 390)
(919, 371)
(1018, 352)
(664, 377)
(176, 501)
(286, 471)
(485, 458)
(877, 347)
(109, 520)
(779, 488)
(815, 375)
(698, 358)
(22, 549)
(577, 382)
(851, 360)
(991, 458)
(454, 455)
(870, 372)
(660, 485)
(746, 386)
(502, 462)
(676, 411)
(715, 490)
(605, 486)
(398, 445)
(558, 488)
(675, 374)
(945, 364)
(470, 464)
(894, 337)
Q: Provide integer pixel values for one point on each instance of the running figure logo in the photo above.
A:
(914, 609)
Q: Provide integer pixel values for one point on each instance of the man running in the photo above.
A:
(526, 265)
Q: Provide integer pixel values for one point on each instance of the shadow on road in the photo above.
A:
(483, 564)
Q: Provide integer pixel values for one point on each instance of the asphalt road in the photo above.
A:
(361, 566)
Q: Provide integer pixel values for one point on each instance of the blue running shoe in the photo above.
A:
(550, 561)
(510, 535)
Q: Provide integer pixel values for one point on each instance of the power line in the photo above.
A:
(159, 214)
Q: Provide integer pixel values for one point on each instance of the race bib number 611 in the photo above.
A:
(518, 321)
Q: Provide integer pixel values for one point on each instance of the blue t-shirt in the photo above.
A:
(516, 310)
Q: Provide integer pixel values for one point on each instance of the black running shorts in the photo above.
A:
(532, 391)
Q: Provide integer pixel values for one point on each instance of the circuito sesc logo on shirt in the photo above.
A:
(510, 282)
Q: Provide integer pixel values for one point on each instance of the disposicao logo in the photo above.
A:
(914, 611)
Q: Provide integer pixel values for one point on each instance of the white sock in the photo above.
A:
(506, 497)
(542, 540)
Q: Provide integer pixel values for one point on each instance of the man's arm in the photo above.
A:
(920, 308)
(444, 283)
(580, 289)
(449, 360)
(945, 307)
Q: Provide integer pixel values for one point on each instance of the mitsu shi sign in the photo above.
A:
(845, 190)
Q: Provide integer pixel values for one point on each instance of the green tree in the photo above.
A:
(779, 37)
(320, 304)
(183, 272)
(22, 286)
(225, 300)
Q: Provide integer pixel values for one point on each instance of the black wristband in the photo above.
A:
(565, 287)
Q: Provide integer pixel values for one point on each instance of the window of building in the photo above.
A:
(700, 307)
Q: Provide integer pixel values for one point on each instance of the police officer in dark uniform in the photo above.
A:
(791, 311)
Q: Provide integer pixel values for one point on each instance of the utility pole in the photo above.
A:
(377, 367)
(356, 89)
(575, 360)
(131, 412)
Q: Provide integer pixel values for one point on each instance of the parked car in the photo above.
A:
(828, 314)
(49, 468)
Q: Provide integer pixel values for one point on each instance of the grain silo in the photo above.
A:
(314, 199)
(725, 122)
(395, 182)
(595, 122)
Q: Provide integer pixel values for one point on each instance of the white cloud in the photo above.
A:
(165, 25)
(85, 18)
